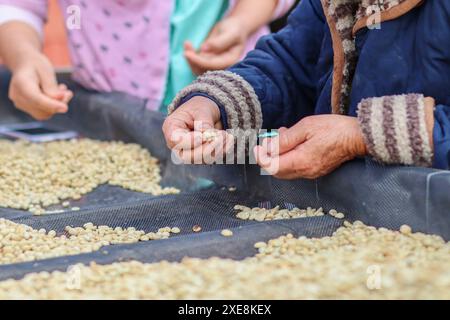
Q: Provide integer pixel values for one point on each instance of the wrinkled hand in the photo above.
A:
(34, 89)
(184, 132)
(312, 148)
(223, 48)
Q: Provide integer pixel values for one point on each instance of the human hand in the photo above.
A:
(223, 48)
(34, 89)
(188, 128)
(312, 148)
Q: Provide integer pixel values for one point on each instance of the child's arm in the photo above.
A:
(33, 87)
(227, 42)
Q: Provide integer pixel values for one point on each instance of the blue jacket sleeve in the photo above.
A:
(441, 137)
(276, 84)
(282, 68)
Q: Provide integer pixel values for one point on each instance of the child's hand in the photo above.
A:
(34, 89)
(223, 48)
(185, 128)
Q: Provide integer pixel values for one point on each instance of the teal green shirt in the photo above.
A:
(191, 20)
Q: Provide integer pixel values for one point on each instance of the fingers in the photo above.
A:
(291, 138)
(211, 62)
(282, 166)
(187, 140)
(287, 140)
(46, 104)
(219, 42)
(68, 95)
(27, 96)
(50, 86)
(175, 128)
(229, 143)
(198, 62)
(189, 50)
(41, 101)
(294, 164)
(201, 62)
(178, 129)
(207, 152)
(34, 90)
(265, 160)
(64, 94)
(216, 150)
(190, 155)
(290, 166)
(47, 80)
(198, 114)
(188, 46)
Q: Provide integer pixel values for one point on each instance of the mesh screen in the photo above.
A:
(364, 190)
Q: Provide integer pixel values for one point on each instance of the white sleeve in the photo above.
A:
(12, 13)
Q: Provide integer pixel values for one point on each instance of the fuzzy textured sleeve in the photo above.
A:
(395, 129)
(230, 91)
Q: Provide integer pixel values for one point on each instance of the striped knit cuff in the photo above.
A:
(235, 95)
(395, 129)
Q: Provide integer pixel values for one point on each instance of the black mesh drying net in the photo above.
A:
(377, 195)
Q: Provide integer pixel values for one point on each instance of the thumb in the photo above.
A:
(287, 140)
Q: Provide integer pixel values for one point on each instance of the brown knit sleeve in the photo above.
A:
(395, 129)
(233, 92)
